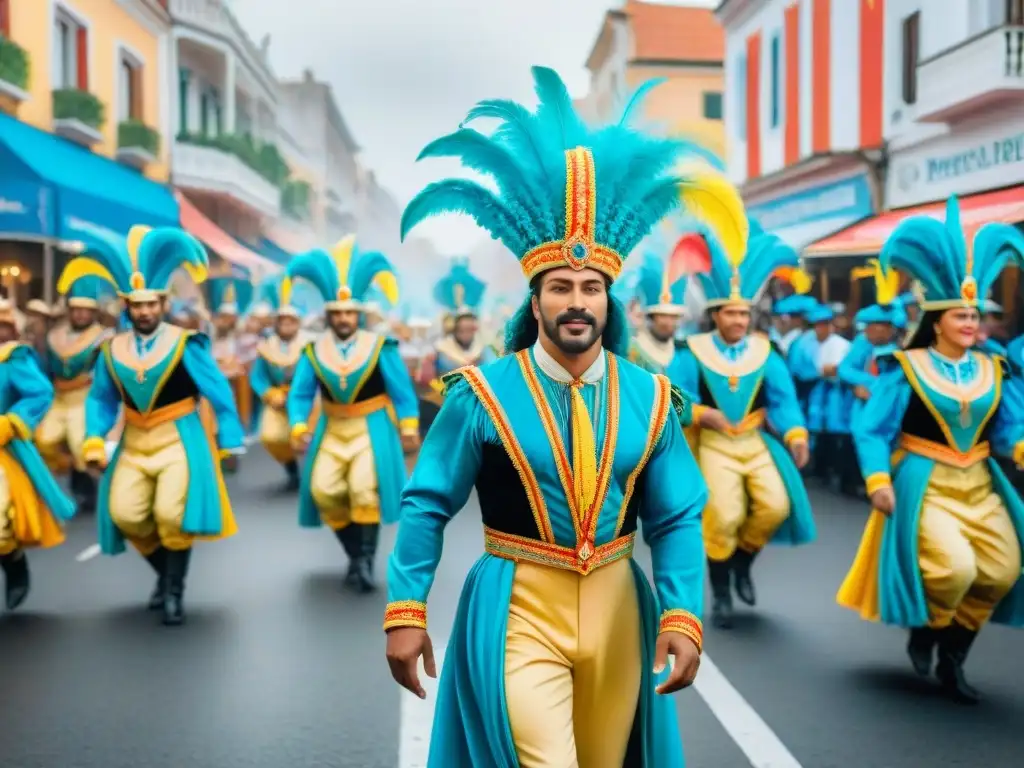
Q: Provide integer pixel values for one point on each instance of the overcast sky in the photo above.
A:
(406, 71)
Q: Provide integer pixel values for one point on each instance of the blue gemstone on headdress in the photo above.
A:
(579, 251)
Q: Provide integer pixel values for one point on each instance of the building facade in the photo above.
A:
(804, 117)
(685, 46)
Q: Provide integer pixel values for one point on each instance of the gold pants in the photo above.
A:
(747, 499)
(149, 487)
(967, 547)
(62, 427)
(24, 521)
(344, 475)
(275, 434)
(572, 665)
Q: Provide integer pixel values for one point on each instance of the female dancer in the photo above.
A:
(942, 551)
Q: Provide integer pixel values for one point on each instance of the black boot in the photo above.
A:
(292, 483)
(83, 488)
(177, 570)
(350, 538)
(15, 567)
(921, 649)
(721, 592)
(158, 562)
(367, 552)
(741, 561)
(954, 644)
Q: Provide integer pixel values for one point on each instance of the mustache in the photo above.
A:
(575, 316)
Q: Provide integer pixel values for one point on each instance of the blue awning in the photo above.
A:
(273, 251)
(55, 188)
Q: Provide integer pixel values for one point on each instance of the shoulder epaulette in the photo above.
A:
(452, 378)
(682, 405)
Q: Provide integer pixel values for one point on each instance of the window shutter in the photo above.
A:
(137, 104)
(5, 18)
(82, 48)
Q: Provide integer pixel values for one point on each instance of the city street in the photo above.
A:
(279, 666)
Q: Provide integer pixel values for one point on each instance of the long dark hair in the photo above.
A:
(523, 329)
(924, 334)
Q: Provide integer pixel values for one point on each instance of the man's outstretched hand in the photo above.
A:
(685, 666)
(405, 647)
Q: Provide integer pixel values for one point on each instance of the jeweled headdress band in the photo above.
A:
(578, 249)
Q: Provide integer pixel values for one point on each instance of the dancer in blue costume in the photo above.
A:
(460, 293)
(72, 347)
(369, 416)
(941, 554)
(654, 346)
(272, 372)
(163, 487)
(32, 505)
(751, 439)
(559, 645)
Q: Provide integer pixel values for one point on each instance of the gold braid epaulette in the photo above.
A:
(683, 406)
(450, 379)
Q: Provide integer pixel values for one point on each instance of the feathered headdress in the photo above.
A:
(955, 268)
(460, 291)
(735, 280)
(662, 291)
(141, 266)
(568, 194)
(86, 292)
(795, 304)
(230, 295)
(344, 274)
(276, 292)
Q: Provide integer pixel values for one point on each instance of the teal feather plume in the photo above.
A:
(366, 266)
(318, 268)
(112, 253)
(165, 250)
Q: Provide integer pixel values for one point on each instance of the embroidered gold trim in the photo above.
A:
(584, 521)
(521, 549)
(685, 623)
(877, 481)
(710, 356)
(270, 351)
(122, 349)
(925, 368)
(451, 349)
(65, 348)
(360, 409)
(405, 613)
(659, 416)
(330, 356)
(177, 353)
(503, 427)
(944, 454)
(161, 415)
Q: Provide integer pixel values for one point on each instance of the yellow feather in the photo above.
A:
(887, 285)
(859, 273)
(342, 254)
(197, 272)
(83, 266)
(388, 284)
(711, 198)
(285, 291)
(135, 236)
(800, 281)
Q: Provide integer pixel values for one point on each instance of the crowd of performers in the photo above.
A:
(578, 424)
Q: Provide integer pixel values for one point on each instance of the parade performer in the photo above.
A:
(72, 348)
(32, 505)
(752, 439)
(559, 644)
(272, 373)
(230, 296)
(460, 293)
(369, 412)
(941, 554)
(163, 487)
(654, 346)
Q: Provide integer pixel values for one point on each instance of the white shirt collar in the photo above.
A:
(547, 363)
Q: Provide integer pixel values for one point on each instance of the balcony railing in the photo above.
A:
(78, 116)
(984, 71)
(138, 145)
(214, 169)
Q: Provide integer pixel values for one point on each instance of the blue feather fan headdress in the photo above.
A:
(738, 282)
(660, 294)
(87, 291)
(276, 293)
(139, 266)
(568, 194)
(229, 294)
(345, 274)
(460, 292)
(955, 269)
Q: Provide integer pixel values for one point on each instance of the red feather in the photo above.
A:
(691, 256)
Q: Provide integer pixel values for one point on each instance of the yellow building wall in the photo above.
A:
(110, 25)
(678, 103)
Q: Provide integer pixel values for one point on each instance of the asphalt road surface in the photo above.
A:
(278, 666)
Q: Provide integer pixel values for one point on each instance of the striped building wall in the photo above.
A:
(804, 78)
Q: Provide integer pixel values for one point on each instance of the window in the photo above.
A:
(70, 52)
(910, 54)
(183, 90)
(741, 98)
(1014, 12)
(129, 88)
(713, 105)
(5, 18)
(776, 54)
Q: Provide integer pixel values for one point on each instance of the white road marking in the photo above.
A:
(744, 726)
(416, 718)
(88, 553)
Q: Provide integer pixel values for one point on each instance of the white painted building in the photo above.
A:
(804, 111)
